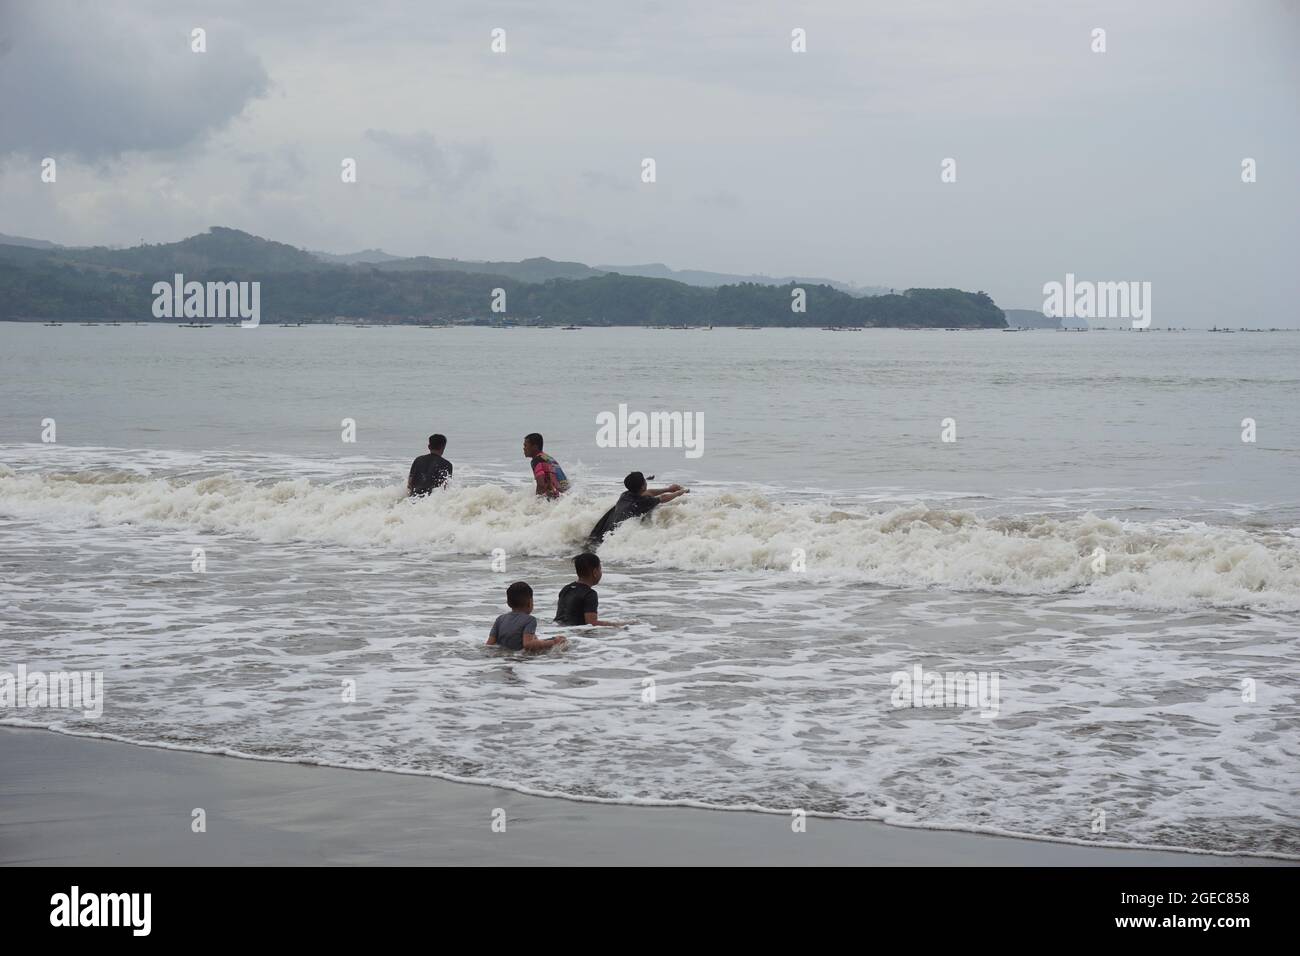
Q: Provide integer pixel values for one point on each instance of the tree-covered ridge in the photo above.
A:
(297, 286)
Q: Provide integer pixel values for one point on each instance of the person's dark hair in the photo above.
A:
(535, 439)
(518, 595)
(634, 482)
(586, 563)
(437, 443)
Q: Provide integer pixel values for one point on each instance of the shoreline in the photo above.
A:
(91, 801)
(574, 326)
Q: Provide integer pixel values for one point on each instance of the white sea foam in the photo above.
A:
(1166, 564)
(1120, 690)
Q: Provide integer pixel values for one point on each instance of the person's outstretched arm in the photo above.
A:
(668, 496)
(533, 643)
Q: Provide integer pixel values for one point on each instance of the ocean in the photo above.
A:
(1097, 537)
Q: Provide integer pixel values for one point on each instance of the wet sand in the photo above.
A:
(80, 801)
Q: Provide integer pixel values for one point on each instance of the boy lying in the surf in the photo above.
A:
(638, 501)
(516, 630)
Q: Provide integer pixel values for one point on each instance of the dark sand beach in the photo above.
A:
(69, 801)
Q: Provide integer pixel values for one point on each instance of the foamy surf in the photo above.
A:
(1159, 565)
(774, 688)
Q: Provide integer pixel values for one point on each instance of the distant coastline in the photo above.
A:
(40, 281)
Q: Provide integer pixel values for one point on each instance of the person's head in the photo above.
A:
(520, 597)
(635, 483)
(437, 444)
(588, 567)
(532, 444)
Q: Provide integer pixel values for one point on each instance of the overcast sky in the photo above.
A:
(1123, 165)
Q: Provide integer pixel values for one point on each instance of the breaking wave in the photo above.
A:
(1170, 565)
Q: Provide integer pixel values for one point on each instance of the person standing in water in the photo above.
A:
(550, 477)
(429, 471)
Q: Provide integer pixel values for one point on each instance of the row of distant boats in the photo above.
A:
(684, 328)
(386, 325)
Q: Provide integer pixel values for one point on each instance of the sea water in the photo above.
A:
(1096, 535)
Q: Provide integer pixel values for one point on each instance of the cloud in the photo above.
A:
(453, 166)
(721, 199)
(100, 80)
(600, 179)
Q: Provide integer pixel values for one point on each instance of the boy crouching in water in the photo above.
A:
(516, 630)
(579, 603)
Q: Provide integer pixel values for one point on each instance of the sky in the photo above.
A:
(1122, 165)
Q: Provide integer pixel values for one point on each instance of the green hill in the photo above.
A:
(98, 282)
(526, 270)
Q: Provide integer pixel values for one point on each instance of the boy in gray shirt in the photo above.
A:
(517, 630)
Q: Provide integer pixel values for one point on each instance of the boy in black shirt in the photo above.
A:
(429, 471)
(578, 600)
(637, 502)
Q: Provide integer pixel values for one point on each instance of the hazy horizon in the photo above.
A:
(1115, 166)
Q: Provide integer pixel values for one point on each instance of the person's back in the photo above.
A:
(579, 603)
(429, 471)
(632, 504)
(576, 599)
(509, 629)
(516, 630)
